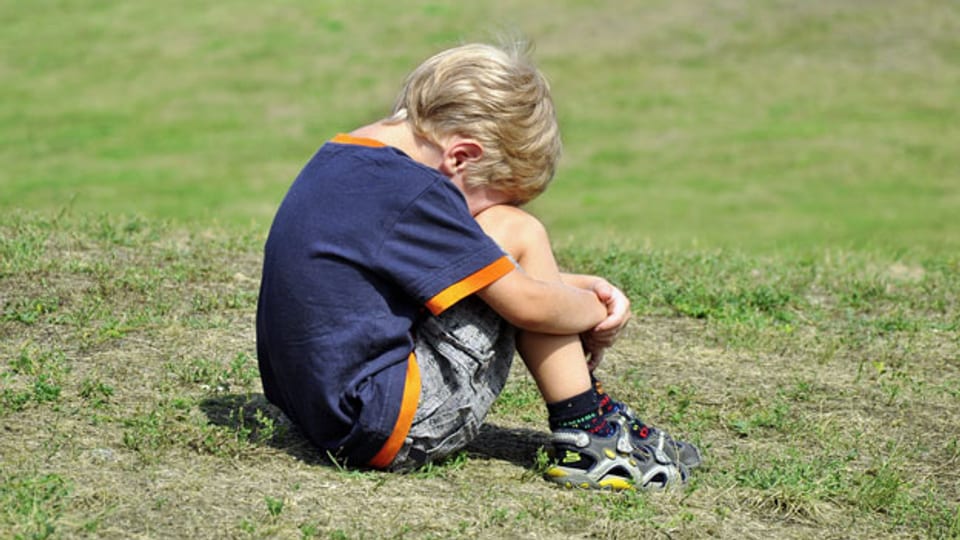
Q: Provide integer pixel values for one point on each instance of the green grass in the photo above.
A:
(762, 127)
(774, 184)
(824, 392)
(33, 503)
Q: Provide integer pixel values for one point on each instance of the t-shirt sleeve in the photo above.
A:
(437, 252)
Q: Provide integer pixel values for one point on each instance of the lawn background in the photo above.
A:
(775, 184)
(760, 126)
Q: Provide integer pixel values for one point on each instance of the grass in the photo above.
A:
(825, 399)
(754, 126)
(774, 184)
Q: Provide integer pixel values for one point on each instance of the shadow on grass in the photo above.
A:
(516, 445)
(255, 420)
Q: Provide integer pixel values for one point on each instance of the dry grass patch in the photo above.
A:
(131, 406)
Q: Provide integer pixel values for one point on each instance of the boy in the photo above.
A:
(400, 275)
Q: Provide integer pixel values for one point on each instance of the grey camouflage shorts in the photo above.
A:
(464, 357)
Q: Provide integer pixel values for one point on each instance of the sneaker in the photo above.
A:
(594, 462)
(643, 435)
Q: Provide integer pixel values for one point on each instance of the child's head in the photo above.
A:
(497, 97)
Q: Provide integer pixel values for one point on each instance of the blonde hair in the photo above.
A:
(496, 96)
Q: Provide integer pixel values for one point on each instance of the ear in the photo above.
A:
(457, 154)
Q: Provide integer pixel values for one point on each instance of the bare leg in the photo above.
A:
(556, 362)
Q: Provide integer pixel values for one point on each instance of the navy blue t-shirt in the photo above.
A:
(366, 241)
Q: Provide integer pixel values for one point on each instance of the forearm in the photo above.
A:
(580, 281)
(545, 307)
(566, 310)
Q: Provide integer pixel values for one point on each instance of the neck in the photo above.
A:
(400, 136)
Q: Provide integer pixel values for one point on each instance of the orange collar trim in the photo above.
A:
(344, 138)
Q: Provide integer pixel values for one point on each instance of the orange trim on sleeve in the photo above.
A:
(344, 138)
(470, 284)
(408, 407)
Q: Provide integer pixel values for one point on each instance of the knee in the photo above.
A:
(514, 229)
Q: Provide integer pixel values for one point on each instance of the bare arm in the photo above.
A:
(580, 281)
(542, 306)
(534, 297)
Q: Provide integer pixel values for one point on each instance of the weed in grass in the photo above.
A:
(261, 429)
(274, 506)
(800, 391)
(498, 517)
(678, 402)
(309, 530)
(631, 505)
(13, 400)
(200, 371)
(758, 415)
(860, 294)
(23, 364)
(878, 487)
(248, 526)
(36, 375)
(151, 433)
(443, 467)
(45, 389)
(29, 310)
(243, 371)
(240, 373)
(241, 432)
(541, 462)
(31, 506)
(894, 381)
(112, 328)
(36, 361)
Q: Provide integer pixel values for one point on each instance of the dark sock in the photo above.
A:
(606, 403)
(580, 412)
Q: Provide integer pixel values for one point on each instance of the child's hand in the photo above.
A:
(605, 334)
